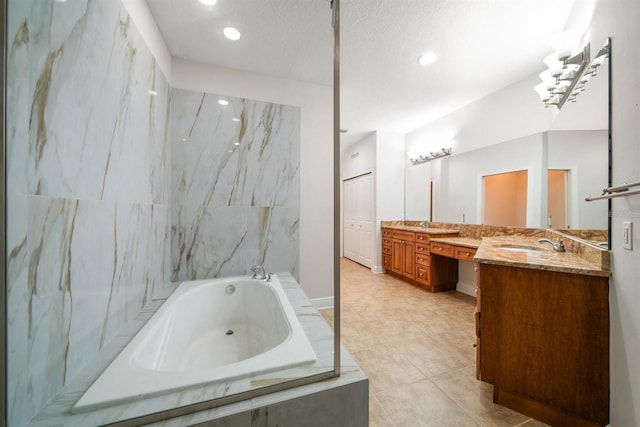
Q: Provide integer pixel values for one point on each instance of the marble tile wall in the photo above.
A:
(88, 194)
(235, 186)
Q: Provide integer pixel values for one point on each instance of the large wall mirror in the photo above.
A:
(563, 162)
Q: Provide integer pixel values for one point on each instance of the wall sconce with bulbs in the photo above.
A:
(567, 73)
(421, 158)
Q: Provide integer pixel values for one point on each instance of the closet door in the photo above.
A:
(365, 220)
(358, 219)
(350, 212)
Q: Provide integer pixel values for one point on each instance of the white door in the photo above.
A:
(358, 219)
(365, 220)
(350, 211)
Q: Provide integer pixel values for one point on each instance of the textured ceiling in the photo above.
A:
(483, 46)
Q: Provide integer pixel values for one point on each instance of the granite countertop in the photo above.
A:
(419, 229)
(467, 242)
(543, 257)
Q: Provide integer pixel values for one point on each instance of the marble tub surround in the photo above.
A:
(58, 410)
(235, 185)
(492, 251)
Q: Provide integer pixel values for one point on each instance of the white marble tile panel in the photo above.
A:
(245, 153)
(227, 241)
(93, 128)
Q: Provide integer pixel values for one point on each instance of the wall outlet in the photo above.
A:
(627, 235)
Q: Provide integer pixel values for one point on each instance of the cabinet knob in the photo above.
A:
(468, 254)
(475, 345)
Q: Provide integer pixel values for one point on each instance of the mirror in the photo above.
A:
(565, 153)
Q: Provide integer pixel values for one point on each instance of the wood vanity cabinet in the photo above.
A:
(543, 342)
(403, 253)
(407, 255)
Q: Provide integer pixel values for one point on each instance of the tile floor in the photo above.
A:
(417, 349)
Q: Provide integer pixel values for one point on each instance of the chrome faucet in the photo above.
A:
(255, 269)
(558, 245)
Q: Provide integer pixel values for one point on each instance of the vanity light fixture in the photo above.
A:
(231, 33)
(564, 71)
(417, 158)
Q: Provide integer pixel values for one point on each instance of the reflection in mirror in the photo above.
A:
(130, 191)
(572, 141)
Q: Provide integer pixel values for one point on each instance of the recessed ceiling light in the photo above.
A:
(223, 102)
(427, 58)
(231, 33)
(208, 2)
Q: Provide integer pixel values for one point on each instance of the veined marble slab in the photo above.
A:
(236, 185)
(88, 188)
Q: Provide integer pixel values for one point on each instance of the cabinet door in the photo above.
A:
(409, 262)
(397, 255)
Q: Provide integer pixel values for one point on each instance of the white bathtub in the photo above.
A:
(207, 331)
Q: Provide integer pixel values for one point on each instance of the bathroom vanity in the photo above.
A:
(542, 326)
(542, 316)
(406, 253)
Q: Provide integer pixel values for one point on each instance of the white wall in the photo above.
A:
(491, 120)
(619, 19)
(359, 158)
(390, 159)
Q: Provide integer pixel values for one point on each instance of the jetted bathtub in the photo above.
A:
(207, 331)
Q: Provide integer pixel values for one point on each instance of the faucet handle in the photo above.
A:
(560, 244)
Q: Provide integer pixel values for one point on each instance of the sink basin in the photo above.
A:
(519, 248)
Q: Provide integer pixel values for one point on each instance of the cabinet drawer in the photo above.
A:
(442, 249)
(423, 259)
(386, 261)
(465, 254)
(422, 274)
(386, 240)
(408, 236)
(422, 238)
(422, 248)
(386, 250)
(387, 233)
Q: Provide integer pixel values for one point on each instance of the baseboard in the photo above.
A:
(377, 269)
(466, 288)
(322, 303)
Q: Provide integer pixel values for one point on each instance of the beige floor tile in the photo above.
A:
(387, 368)
(422, 404)
(433, 356)
(417, 349)
(377, 416)
(475, 397)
